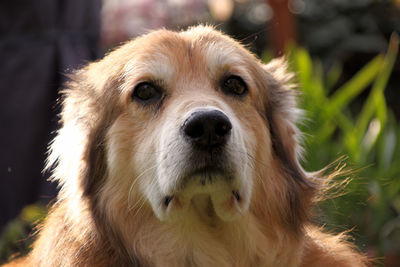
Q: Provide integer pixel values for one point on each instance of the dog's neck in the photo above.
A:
(140, 239)
(242, 242)
(200, 239)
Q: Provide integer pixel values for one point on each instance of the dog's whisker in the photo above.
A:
(142, 200)
(139, 202)
(136, 179)
(251, 166)
(248, 155)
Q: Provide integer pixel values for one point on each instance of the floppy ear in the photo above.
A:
(281, 115)
(77, 153)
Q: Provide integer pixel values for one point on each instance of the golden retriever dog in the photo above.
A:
(181, 149)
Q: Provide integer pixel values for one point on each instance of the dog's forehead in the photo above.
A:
(164, 55)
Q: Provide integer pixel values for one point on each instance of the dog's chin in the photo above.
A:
(208, 196)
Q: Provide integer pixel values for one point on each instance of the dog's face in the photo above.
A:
(189, 125)
(192, 124)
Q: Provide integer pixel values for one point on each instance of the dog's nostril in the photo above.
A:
(207, 128)
(194, 130)
(223, 128)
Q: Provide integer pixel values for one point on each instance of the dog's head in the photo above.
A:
(183, 125)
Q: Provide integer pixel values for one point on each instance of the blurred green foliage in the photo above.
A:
(368, 136)
(17, 236)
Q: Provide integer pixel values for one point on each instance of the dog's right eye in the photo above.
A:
(146, 92)
(234, 85)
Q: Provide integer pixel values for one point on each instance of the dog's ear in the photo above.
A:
(282, 114)
(90, 104)
(77, 154)
(281, 110)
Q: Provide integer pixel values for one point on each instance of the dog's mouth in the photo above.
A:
(209, 208)
(235, 195)
(206, 175)
(210, 192)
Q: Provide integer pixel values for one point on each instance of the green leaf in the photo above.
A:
(376, 100)
(355, 86)
(304, 65)
(333, 76)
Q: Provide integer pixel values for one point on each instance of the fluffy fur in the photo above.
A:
(117, 160)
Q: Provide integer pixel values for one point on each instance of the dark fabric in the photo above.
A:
(40, 41)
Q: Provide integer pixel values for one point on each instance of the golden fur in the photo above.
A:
(116, 158)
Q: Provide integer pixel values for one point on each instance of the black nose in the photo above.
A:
(207, 128)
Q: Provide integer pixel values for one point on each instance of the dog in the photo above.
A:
(181, 149)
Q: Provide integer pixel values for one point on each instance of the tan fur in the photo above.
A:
(106, 157)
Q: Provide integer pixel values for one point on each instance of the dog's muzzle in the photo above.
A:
(202, 164)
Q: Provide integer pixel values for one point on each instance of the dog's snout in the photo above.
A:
(207, 128)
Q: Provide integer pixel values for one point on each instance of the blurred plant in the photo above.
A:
(17, 235)
(369, 137)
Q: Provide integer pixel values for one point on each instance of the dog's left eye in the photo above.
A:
(146, 92)
(234, 85)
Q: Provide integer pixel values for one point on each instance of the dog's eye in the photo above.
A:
(234, 85)
(146, 92)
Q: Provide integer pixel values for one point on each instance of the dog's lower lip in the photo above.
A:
(168, 200)
(208, 169)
